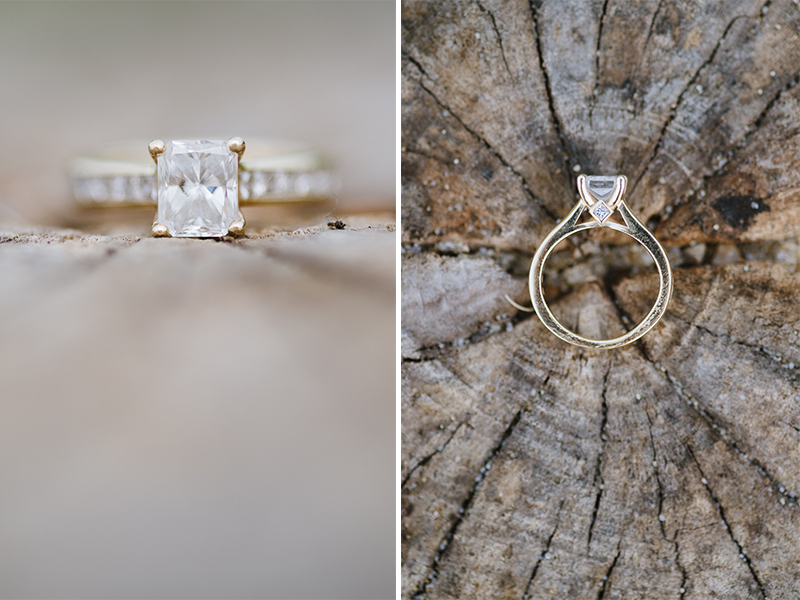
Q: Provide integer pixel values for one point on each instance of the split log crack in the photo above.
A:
(660, 489)
(605, 584)
(593, 99)
(426, 459)
(525, 186)
(497, 34)
(543, 554)
(549, 90)
(721, 510)
(597, 481)
(711, 422)
(464, 510)
(679, 102)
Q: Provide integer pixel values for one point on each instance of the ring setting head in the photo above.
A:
(601, 194)
(198, 188)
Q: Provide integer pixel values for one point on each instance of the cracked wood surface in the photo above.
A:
(535, 469)
(216, 415)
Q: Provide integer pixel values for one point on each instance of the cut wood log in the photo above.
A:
(198, 418)
(665, 469)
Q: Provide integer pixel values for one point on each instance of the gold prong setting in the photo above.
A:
(236, 229)
(236, 145)
(159, 229)
(156, 149)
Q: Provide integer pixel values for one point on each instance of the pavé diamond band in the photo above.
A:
(601, 196)
(198, 185)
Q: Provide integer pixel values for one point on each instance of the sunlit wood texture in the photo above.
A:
(665, 469)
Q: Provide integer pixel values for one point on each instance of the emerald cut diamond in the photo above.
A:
(198, 188)
(601, 186)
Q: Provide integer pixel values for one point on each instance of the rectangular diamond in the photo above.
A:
(198, 188)
(601, 186)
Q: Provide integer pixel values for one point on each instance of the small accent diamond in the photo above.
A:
(259, 184)
(600, 212)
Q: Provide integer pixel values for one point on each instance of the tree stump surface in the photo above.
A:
(669, 468)
(216, 415)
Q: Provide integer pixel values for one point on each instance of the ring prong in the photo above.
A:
(237, 228)
(159, 230)
(236, 144)
(156, 148)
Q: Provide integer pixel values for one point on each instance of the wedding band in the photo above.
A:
(198, 185)
(601, 196)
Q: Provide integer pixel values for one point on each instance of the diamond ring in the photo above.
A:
(601, 196)
(198, 185)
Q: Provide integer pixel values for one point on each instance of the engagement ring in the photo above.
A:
(601, 197)
(198, 185)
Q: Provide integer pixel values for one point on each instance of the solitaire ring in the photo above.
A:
(601, 196)
(198, 185)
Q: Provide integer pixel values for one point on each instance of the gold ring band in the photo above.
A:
(601, 203)
(199, 185)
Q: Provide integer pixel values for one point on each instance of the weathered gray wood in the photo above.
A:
(755, 195)
(431, 284)
(196, 418)
(667, 469)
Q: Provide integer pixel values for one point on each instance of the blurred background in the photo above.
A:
(76, 75)
(191, 418)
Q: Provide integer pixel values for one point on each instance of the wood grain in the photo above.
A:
(665, 469)
(196, 418)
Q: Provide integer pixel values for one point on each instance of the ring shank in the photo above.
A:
(271, 171)
(634, 229)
